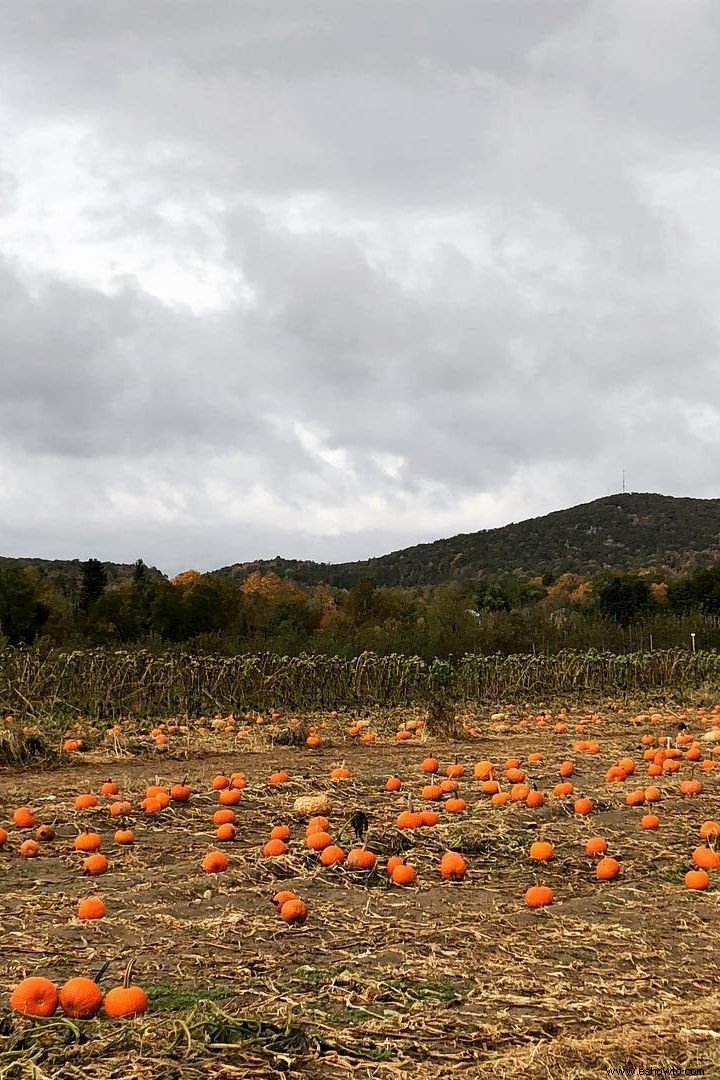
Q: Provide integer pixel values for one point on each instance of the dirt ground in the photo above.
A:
(381, 981)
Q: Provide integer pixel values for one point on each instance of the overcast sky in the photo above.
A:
(324, 278)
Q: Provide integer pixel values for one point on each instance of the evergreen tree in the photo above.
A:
(93, 583)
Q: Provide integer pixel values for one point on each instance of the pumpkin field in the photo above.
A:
(328, 894)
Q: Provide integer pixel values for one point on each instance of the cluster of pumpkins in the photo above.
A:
(80, 998)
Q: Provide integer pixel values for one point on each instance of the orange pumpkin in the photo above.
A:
(24, 818)
(294, 912)
(452, 866)
(538, 896)
(95, 864)
(215, 862)
(274, 848)
(91, 908)
(403, 875)
(34, 996)
(607, 869)
(697, 879)
(332, 855)
(80, 998)
(541, 851)
(360, 859)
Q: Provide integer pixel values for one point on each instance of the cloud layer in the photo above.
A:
(327, 279)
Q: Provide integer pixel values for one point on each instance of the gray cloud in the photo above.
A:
(327, 279)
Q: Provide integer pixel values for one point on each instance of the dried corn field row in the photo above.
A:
(108, 683)
(380, 981)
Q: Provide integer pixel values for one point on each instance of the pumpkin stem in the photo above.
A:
(101, 971)
(128, 973)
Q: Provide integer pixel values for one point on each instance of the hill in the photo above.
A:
(70, 568)
(618, 532)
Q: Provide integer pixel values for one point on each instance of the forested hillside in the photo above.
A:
(618, 532)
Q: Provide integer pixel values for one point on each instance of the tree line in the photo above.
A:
(506, 613)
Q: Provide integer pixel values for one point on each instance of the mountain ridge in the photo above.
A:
(625, 532)
(620, 532)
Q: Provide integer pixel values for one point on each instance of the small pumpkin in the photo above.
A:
(80, 998)
(541, 851)
(332, 855)
(320, 823)
(455, 771)
(360, 859)
(607, 869)
(126, 1001)
(35, 996)
(697, 879)
(538, 896)
(403, 875)
(452, 866)
(596, 845)
(294, 912)
(87, 841)
(431, 792)
(706, 858)
(274, 848)
(86, 802)
(429, 765)
(484, 770)
(95, 864)
(230, 797)
(29, 849)
(215, 862)
(24, 818)
(226, 816)
(710, 830)
(92, 907)
(283, 896)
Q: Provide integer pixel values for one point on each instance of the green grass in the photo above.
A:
(430, 990)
